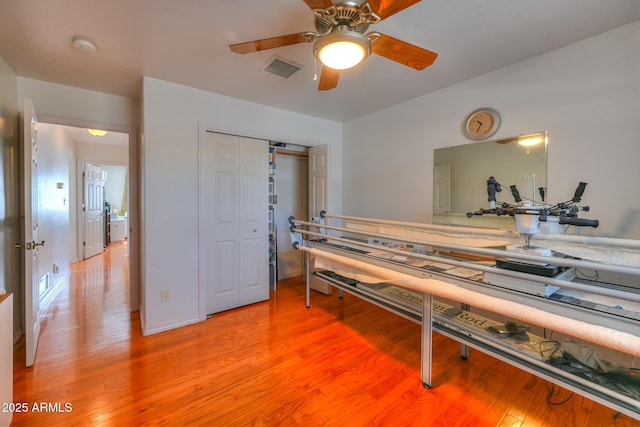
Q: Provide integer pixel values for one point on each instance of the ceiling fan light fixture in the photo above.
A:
(342, 49)
(97, 132)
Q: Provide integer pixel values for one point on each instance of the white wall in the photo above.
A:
(172, 114)
(53, 100)
(97, 153)
(114, 185)
(55, 154)
(587, 95)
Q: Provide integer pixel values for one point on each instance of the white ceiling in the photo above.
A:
(186, 42)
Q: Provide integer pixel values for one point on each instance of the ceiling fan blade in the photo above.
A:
(319, 4)
(403, 52)
(386, 8)
(328, 78)
(270, 43)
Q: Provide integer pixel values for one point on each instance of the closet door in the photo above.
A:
(233, 221)
(253, 174)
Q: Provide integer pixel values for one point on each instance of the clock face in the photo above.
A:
(482, 123)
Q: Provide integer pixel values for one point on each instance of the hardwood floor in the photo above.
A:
(339, 363)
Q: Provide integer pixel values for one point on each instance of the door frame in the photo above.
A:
(81, 217)
(80, 164)
(135, 189)
(203, 127)
(29, 207)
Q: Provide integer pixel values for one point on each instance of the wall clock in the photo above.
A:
(481, 124)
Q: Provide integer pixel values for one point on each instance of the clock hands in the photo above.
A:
(479, 125)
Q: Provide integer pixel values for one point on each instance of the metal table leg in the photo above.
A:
(464, 349)
(427, 330)
(307, 258)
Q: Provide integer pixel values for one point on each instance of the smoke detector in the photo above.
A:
(83, 45)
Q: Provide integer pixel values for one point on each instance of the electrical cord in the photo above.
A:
(553, 394)
(555, 346)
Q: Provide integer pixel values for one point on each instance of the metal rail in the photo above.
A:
(565, 262)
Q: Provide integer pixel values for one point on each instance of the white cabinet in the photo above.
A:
(118, 229)
(6, 356)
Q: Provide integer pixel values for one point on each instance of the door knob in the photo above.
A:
(28, 246)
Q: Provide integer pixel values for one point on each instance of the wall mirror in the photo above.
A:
(460, 175)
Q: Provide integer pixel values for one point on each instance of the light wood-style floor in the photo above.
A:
(339, 363)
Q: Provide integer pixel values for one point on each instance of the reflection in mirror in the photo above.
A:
(460, 176)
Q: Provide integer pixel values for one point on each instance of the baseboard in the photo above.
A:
(48, 297)
(146, 331)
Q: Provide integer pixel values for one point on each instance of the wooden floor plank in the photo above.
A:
(343, 362)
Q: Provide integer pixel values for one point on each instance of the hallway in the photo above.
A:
(87, 324)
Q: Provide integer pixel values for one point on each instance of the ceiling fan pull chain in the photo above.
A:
(315, 68)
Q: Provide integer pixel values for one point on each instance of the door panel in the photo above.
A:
(31, 242)
(225, 270)
(225, 190)
(253, 169)
(233, 243)
(319, 195)
(441, 188)
(253, 277)
(94, 178)
(318, 176)
(222, 292)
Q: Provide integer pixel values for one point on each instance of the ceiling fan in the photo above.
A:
(340, 39)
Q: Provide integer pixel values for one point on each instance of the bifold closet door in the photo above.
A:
(233, 221)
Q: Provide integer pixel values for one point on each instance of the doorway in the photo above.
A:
(291, 173)
(64, 193)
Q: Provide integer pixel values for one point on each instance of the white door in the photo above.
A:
(233, 246)
(441, 189)
(319, 195)
(93, 203)
(253, 172)
(31, 242)
(318, 179)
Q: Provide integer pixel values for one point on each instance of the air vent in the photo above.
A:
(281, 67)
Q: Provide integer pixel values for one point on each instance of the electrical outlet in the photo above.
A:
(165, 294)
